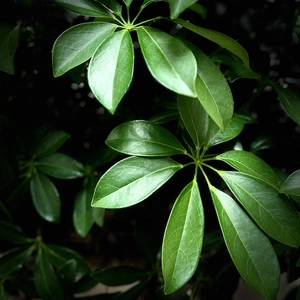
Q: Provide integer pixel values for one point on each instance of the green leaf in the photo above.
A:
(165, 117)
(273, 212)
(9, 39)
(59, 165)
(249, 163)
(290, 100)
(77, 44)
(68, 270)
(259, 269)
(120, 275)
(199, 9)
(148, 2)
(113, 6)
(51, 143)
(178, 6)
(12, 233)
(232, 130)
(98, 215)
(169, 60)
(58, 256)
(291, 185)
(45, 279)
(213, 90)
(85, 8)
(144, 138)
(13, 260)
(127, 2)
(261, 143)
(218, 38)
(183, 237)
(45, 197)
(83, 212)
(111, 69)
(132, 180)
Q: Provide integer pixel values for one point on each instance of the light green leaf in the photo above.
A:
(45, 279)
(84, 7)
(273, 212)
(83, 212)
(111, 69)
(259, 269)
(291, 185)
(290, 100)
(169, 60)
(219, 38)
(183, 237)
(132, 180)
(98, 215)
(127, 2)
(144, 138)
(9, 39)
(45, 197)
(249, 163)
(50, 143)
(12, 261)
(213, 90)
(178, 6)
(60, 165)
(77, 44)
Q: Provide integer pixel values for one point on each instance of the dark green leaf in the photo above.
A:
(120, 275)
(273, 212)
(68, 270)
(259, 269)
(113, 6)
(148, 2)
(290, 100)
(84, 7)
(165, 117)
(45, 197)
(12, 260)
(12, 233)
(132, 180)
(111, 69)
(261, 143)
(213, 90)
(182, 242)
(169, 60)
(199, 9)
(51, 143)
(58, 256)
(178, 6)
(291, 186)
(9, 38)
(59, 165)
(219, 38)
(144, 138)
(83, 212)
(77, 44)
(249, 163)
(45, 279)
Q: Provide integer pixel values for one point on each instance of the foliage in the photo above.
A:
(214, 193)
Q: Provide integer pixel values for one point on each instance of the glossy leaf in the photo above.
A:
(84, 7)
(261, 143)
(45, 279)
(60, 165)
(290, 100)
(83, 212)
(182, 242)
(213, 90)
(148, 2)
(291, 185)
(132, 180)
(98, 215)
(51, 143)
(9, 39)
(113, 6)
(12, 233)
(120, 275)
(144, 138)
(77, 44)
(273, 212)
(58, 256)
(249, 163)
(111, 69)
(169, 60)
(13, 260)
(218, 38)
(259, 269)
(45, 197)
(178, 6)
(199, 9)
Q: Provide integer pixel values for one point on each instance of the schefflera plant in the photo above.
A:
(256, 209)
